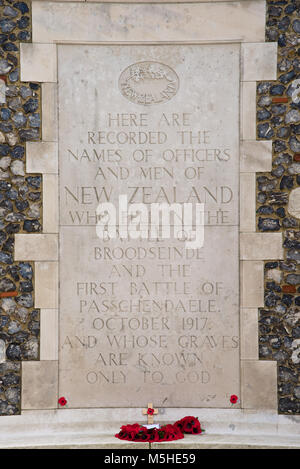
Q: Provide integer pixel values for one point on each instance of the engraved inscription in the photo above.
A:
(142, 314)
(148, 83)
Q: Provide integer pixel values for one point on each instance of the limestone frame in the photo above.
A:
(55, 23)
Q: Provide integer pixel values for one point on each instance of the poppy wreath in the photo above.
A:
(189, 425)
(168, 432)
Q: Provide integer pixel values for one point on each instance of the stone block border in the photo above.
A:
(20, 205)
(278, 203)
(54, 23)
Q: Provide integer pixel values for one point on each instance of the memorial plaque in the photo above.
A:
(148, 318)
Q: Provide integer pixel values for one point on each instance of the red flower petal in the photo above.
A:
(62, 401)
(168, 432)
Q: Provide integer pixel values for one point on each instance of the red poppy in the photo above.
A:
(167, 432)
(62, 401)
(196, 430)
(189, 424)
(153, 435)
(150, 411)
(233, 399)
(145, 436)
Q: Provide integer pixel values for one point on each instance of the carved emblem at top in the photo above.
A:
(148, 83)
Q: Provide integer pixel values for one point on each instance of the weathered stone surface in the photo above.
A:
(281, 317)
(282, 27)
(154, 367)
(16, 321)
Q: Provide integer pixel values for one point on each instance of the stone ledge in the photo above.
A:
(207, 441)
(93, 423)
(204, 441)
(108, 441)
